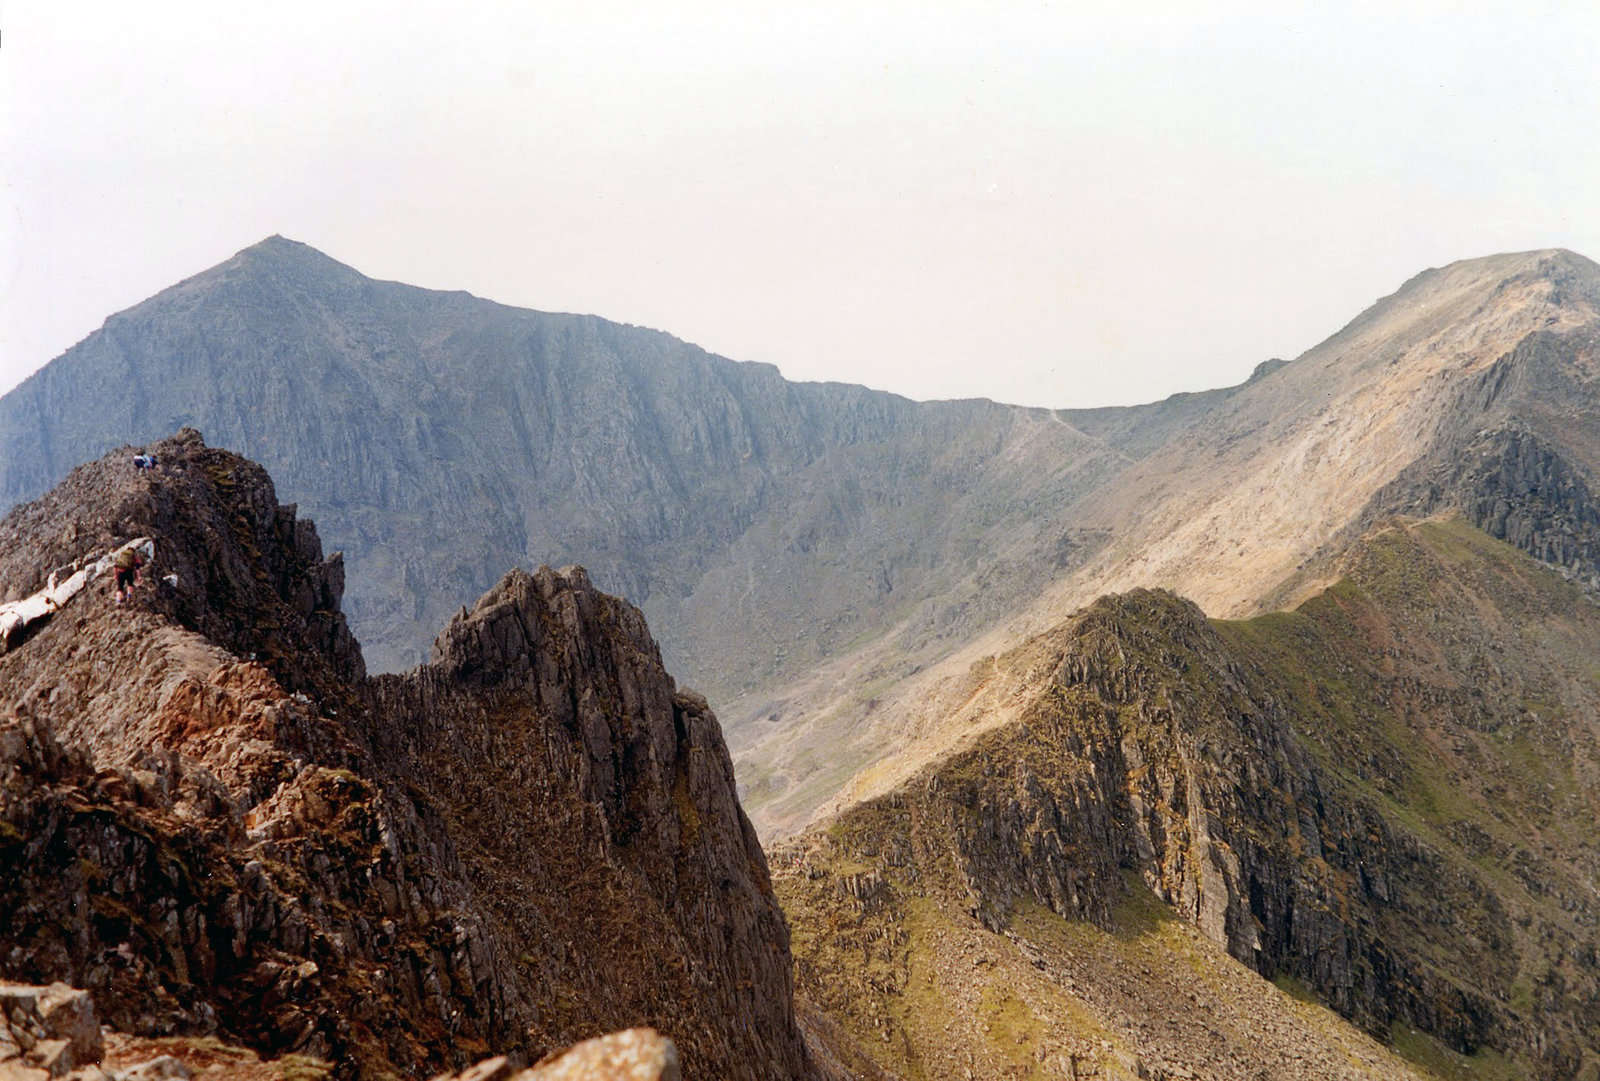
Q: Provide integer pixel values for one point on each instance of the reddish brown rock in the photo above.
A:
(211, 820)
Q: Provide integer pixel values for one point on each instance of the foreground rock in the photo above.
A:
(214, 823)
(639, 1054)
(635, 1055)
(49, 1028)
(53, 1032)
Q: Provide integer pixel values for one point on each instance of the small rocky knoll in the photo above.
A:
(213, 824)
(1383, 800)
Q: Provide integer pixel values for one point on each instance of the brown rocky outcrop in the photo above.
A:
(619, 865)
(50, 1033)
(52, 1029)
(212, 822)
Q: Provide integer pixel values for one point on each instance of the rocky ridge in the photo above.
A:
(768, 528)
(1473, 388)
(439, 438)
(828, 562)
(1384, 797)
(212, 822)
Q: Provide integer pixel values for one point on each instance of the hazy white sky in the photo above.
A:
(1058, 204)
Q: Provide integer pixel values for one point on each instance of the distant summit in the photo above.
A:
(438, 438)
(827, 562)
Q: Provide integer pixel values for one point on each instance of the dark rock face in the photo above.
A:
(178, 925)
(1363, 795)
(214, 823)
(1519, 458)
(438, 439)
(1517, 488)
(624, 786)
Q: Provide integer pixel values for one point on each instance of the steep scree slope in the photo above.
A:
(1475, 387)
(212, 821)
(1387, 796)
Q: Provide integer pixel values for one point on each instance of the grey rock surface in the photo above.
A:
(438, 439)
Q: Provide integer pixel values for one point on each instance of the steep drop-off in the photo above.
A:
(215, 824)
(438, 439)
(826, 561)
(1386, 797)
(1475, 388)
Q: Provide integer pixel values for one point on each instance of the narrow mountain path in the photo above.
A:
(17, 616)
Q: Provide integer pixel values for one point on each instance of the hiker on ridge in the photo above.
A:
(126, 566)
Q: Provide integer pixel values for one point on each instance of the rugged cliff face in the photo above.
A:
(1519, 458)
(1385, 796)
(438, 438)
(827, 562)
(214, 823)
(593, 808)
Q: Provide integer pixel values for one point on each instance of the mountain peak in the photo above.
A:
(1556, 265)
(279, 257)
(1508, 291)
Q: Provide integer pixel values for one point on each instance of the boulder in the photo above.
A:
(50, 1029)
(638, 1054)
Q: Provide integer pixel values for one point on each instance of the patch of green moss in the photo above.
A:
(1295, 989)
(1013, 1030)
(1429, 1055)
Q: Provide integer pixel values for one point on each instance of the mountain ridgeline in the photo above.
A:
(439, 438)
(1065, 727)
(1386, 797)
(825, 561)
(212, 821)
